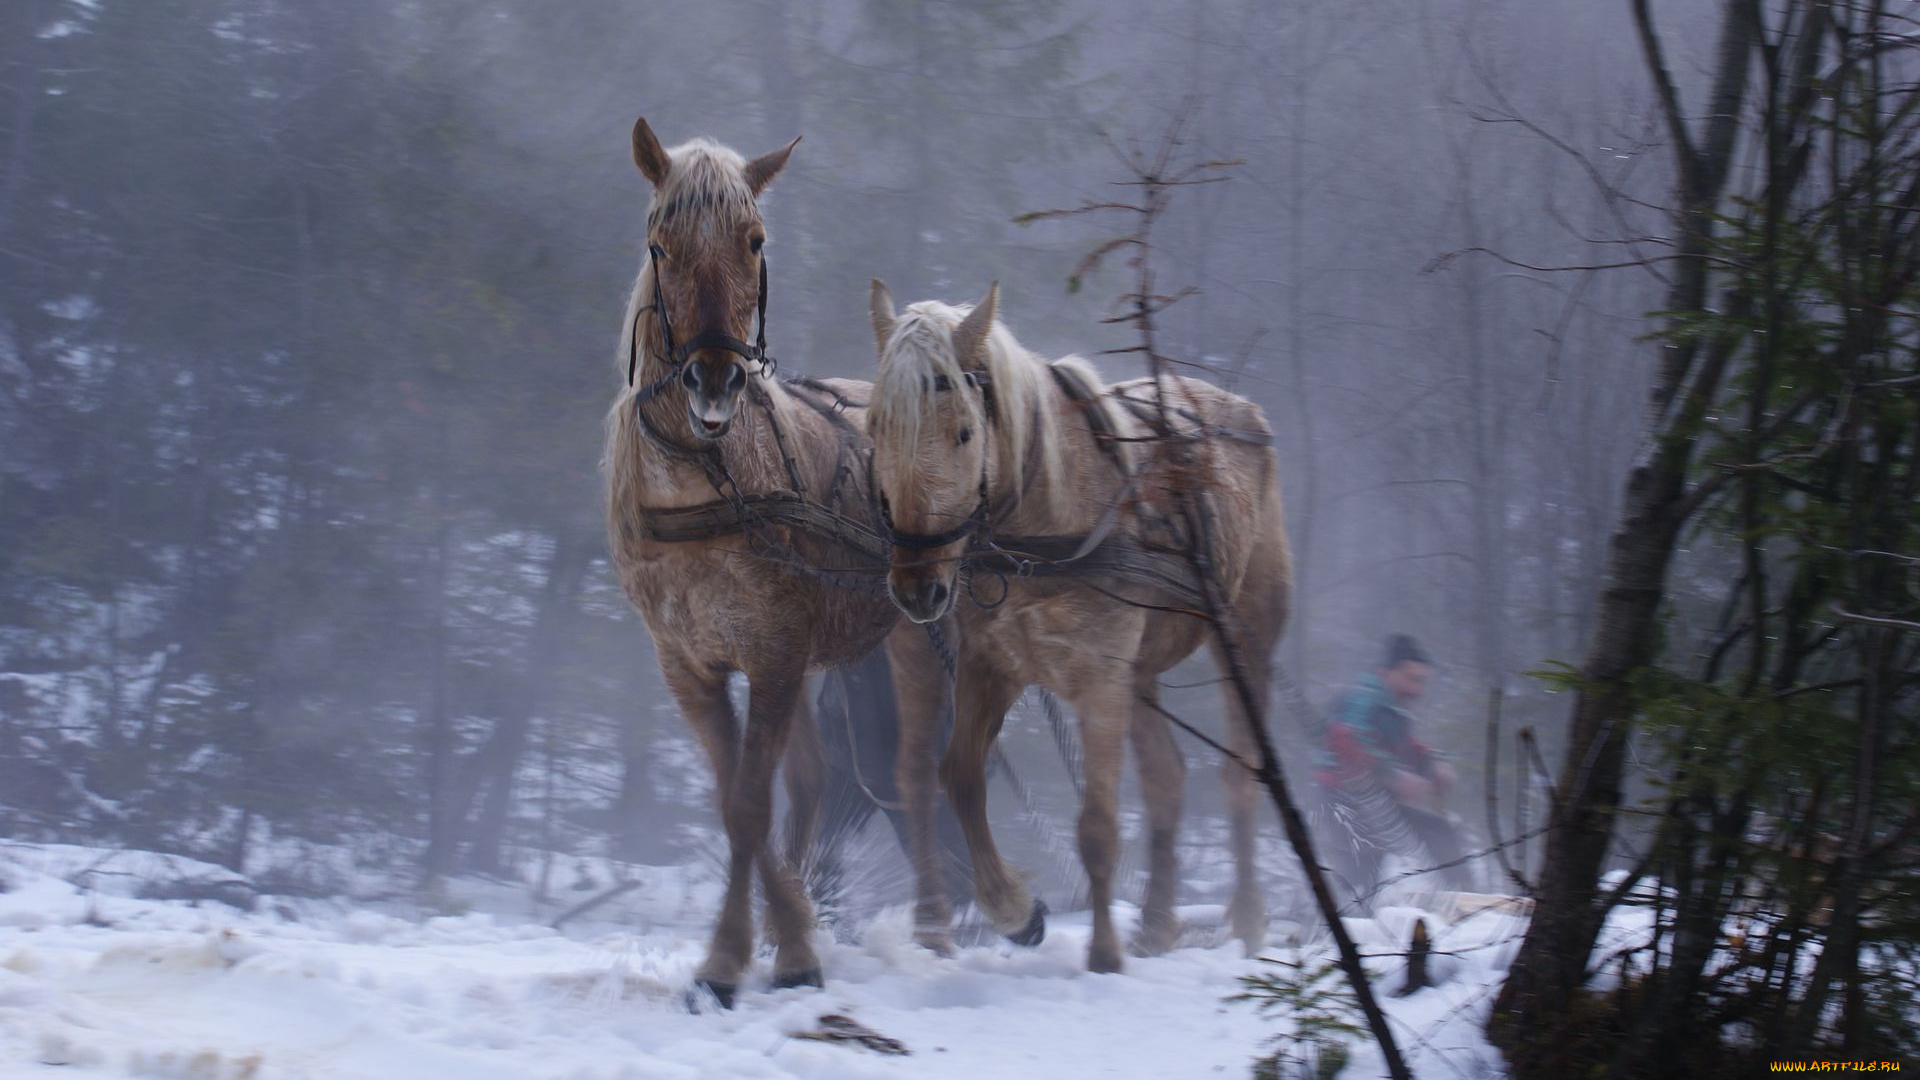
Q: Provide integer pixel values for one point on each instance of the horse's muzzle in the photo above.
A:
(713, 397)
(923, 600)
(710, 422)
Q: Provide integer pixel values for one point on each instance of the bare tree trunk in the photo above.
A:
(498, 760)
(1551, 965)
(636, 793)
(1304, 515)
(785, 118)
(1158, 178)
(18, 22)
(1532, 1017)
(441, 822)
(1488, 430)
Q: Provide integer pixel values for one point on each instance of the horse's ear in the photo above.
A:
(970, 337)
(762, 170)
(880, 303)
(648, 154)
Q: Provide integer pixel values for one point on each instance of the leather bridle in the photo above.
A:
(975, 522)
(675, 356)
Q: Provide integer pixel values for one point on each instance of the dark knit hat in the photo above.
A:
(1401, 648)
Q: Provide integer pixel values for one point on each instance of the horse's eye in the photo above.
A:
(966, 435)
(659, 253)
(756, 243)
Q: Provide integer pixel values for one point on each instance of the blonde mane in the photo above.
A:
(705, 177)
(1025, 423)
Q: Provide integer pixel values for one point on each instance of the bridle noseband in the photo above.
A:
(975, 522)
(675, 356)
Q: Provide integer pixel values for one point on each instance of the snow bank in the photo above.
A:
(96, 982)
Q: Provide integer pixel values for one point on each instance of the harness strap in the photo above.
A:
(1149, 412)
(725, 517)
(1098, 421)
(1168, 573)
(676, 355)
(633, 342)
(929, 541)
(714, 340)
(836, 413)
(706, 457)
(655, 257)
(767, 363)
(765, 400)
(978, 380)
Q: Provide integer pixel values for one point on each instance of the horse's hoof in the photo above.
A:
(937, 942)
(1157, 937)
(1103, 961)
(806, 977)
(1035, 931)
(1249, 926)
(713, 991)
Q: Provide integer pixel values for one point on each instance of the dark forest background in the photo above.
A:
(307, 321)
(307, 327)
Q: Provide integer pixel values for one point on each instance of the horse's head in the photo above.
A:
(704, 236)
(932, 444)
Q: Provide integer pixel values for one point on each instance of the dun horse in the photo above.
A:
(712, 472)
(976, 440)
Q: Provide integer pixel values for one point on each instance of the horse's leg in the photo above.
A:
(746, 797)
(956, 867)
(982, 696)
(1247, 911)
(920, 695)
(702, 696)
(774, 705)
(1105, 715)
(804, 771)
(1163, 785)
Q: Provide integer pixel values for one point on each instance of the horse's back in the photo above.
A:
(1257, 558)
(1216, 407)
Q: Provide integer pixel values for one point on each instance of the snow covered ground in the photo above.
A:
(97, 982)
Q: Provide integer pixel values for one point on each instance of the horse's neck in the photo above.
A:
(748, 454)
(1066, 502)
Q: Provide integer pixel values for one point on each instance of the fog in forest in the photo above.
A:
(308, 323)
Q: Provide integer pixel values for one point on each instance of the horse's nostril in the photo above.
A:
(691, 377)
(936, 594)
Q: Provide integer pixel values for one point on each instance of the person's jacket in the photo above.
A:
(1367, 737)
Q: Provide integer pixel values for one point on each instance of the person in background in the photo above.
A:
(1381, 787)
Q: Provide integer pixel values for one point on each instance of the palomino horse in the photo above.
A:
(976, 440)
(721, 516)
